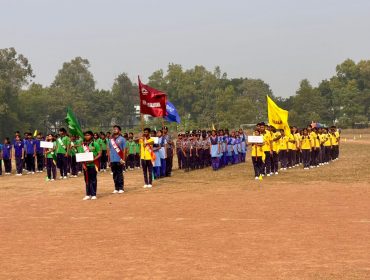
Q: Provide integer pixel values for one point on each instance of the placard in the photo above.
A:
(255, 139)
(46, 144)
(156, 140)
(83, 157)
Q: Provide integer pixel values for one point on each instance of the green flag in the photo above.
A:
(73, 125)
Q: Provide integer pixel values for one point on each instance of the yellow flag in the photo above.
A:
(213, 127)
(35, 133)
(277, 117)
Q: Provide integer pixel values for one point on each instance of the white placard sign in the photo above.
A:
(155, 139)
(46, 144)
(83, 157)
(255, 139)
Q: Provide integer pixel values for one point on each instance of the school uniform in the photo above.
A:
(335, 142)
(90, 172)
(315, 152)
(298, 138)
(186, 149)
(162, 155)
(157, 161)
(30, 154)
(292, 150)
(39, 155)
(215, 152)
(243, 145)
(327, 148)
(115, 161)
(236, 150)
(266, 148)
(146, 159)
(200, 155)
(18, 154)
(169, 154)
(7, 154)
(275, 153)
(51, 169)
(257, 153)
(61, 151)
(131, 146)
(72, 159)
(229, 150)
(137, 155)
(306, 150)
(104, 154)
(179, 153)
(283, 151)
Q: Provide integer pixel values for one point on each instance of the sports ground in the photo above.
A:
(301, 224)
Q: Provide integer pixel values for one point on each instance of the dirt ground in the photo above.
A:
(301, 224)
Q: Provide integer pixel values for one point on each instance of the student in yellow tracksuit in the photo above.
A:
(275, 150)
(315, 144)
(298, 138)
(327, 146)
(267, 149)
(335, 136)
(283, 150)
(292, 148)
(306, 145)
(257, 153)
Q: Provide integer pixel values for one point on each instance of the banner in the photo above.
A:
(278, 117)
(152, 101)
(172, 115)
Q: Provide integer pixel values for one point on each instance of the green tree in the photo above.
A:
(15, 72)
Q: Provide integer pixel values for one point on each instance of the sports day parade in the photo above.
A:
(273, 147)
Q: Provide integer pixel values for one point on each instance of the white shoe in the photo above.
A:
(276, 173)
(41, 171)
(121, 191)
(268, 175)
(149, 186)
(32, 172)
(65, 177)
(93, 198)
(111, 173)
(86, 198)
(115, 191)
(255, 178)
(145, 186)
(52, 180)
(28, 173)
(19, 174)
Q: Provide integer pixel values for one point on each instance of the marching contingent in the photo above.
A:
(273, 148)
(273, 151)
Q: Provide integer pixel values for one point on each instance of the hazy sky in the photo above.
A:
(281, 42)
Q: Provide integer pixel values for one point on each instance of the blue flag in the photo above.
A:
(172, 115)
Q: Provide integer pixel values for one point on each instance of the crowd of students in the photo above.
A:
(153, 151)
(311, 147)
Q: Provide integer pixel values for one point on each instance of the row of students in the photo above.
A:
(310, 146)
(218, 149)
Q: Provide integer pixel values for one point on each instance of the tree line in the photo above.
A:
(202, 97)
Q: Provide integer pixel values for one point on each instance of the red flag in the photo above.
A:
(152, 101)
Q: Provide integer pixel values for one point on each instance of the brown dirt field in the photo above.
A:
(302, 224)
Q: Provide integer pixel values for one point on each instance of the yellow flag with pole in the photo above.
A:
(277, 116)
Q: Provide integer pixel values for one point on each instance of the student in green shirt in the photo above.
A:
(50, 159)
(72, 156)
(62, 146)
(90, 168)
(99, 141)
(104, 156)
(131, 146)
(137, 154)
